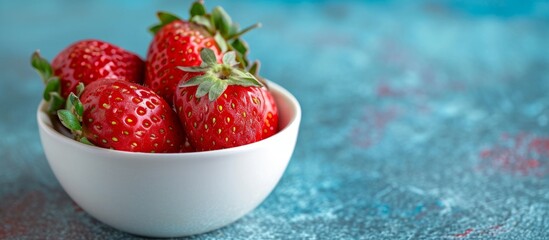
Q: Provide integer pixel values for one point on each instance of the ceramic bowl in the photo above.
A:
(170, 195)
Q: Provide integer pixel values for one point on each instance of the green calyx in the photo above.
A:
(218, 76)
(71, 115)
(219, 24)
(52, 89)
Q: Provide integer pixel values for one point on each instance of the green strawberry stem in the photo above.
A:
(217, 77)
(52, 89)
(244, 31)
(218, 23)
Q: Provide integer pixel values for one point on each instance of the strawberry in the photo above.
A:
(84, 62)
(124, 116)
(225, 106)
(178, 42)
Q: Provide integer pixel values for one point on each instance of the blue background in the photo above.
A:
(421, 119)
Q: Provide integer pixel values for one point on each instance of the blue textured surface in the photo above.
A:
(423, 120)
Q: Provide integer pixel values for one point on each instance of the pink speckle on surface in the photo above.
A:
(493, 230)
(539, 146)
(18, 212)
(33, 213)
(484, 232)
(522, 154)
(464, 234)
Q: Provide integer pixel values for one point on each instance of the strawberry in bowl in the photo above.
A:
(84, 62)
(224, 107)
(172, 194)
(202, 142)
(124, 116)
(178, 42)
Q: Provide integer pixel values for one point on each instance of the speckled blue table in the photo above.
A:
(420, 121)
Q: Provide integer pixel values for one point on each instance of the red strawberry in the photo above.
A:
(123, 116)
(225, 107)
(85, 62)
(178, 43)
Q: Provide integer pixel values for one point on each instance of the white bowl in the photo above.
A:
(169, 195)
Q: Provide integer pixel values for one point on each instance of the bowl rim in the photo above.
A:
(295, 119)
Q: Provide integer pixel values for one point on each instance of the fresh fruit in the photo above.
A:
(84, 62)
(225, 106)
(178, 42)
(124, 116)
(197, 67)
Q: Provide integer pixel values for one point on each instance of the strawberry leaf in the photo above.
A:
(229, 59)
(41, 65)
(71, 115)
(86, 141)
(154, 29)
(241, 82)
(70, 102)
(55, 103)
(204, 21)
(197, 9)
(217, 89)
(79, 89)
(204, 88)
(193, 81)
(78, 108)
(222, 20)
(193, 69)
(75, 106)
(240, 46)
(243, 78)
(254, 68)
(52, 90)
(53, 85)
(69, 120)
(221, 42)
(208, 56)
(165, 19)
